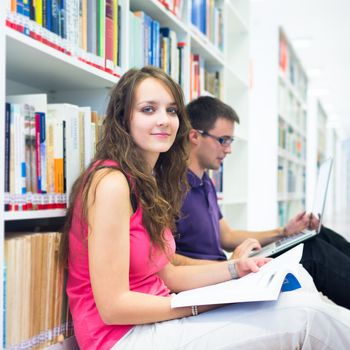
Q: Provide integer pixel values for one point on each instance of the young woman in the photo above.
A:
(122, 211)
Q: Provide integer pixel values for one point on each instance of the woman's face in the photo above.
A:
(154, 121)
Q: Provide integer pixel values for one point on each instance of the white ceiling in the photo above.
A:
(320, 33)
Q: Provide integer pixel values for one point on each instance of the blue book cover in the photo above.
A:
(290, 283)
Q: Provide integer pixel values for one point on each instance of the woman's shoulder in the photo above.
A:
(107, 180)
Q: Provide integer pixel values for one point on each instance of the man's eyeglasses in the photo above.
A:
(224, 141)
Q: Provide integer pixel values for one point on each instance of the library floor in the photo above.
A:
(340, 222)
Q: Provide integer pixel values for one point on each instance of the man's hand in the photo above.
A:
(245, 248)
(300, 223)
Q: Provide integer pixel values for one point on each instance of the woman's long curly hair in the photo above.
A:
(159, 193)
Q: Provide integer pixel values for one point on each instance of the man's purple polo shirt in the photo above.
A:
(197, 231)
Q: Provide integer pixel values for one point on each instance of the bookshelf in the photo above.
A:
(234, 204)
(214, 60)
(292, 120)
(278, 125)
(317, 136)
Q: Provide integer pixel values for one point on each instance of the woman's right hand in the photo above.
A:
(244, 265)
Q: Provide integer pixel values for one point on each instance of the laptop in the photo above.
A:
(285, 243)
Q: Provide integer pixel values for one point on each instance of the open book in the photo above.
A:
(278, 274)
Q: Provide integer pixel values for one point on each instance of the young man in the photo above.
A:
(202, 232)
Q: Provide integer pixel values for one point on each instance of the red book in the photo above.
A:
(109, 31)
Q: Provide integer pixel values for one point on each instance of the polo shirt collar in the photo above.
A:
(194, 180)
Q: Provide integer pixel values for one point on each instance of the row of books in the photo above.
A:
(203, 81)
(207, 16)
(291, 141)
(291, 68)
(36, 311)
(47, 146)
(290, 107)
(152, 45)
(87, 29)
(290, 178)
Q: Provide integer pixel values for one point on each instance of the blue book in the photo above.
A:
(155, 43)
(48, 17)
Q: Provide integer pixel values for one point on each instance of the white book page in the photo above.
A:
(263, 285)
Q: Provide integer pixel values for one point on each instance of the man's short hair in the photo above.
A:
(205, 110)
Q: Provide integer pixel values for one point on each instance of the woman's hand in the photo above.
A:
(248, 265)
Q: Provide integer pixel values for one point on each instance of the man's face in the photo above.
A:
(210, 153)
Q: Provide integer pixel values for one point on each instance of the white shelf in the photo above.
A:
(33, 214)
(50, 69)
(201, 44)
(295, 127)
(238, 201)
(292, 89)
(157, 11)
(236, 80)
(241, 25)
(290, 197)
(287, 155)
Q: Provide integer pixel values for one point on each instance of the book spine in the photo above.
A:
(115, 32)
(58, 157)
(27, 121)
(39, 12)
(43, 152)
(109, 31)
(119, 35)
(83, 31)
(48, 14)
(37, 152)
(64, 143)
(12, 149)
(32, 164)
(101, 14)
(7, 147)
(43, 13)
(92, 27)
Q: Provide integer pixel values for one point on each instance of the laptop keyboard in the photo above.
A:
(289, 238)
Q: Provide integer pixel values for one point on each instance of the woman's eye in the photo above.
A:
(148, 109)
(172, 110)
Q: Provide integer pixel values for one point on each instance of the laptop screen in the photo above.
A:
(321, 189)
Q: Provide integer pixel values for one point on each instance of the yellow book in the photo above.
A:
(39, 11)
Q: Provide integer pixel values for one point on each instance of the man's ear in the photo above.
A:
(193, 136)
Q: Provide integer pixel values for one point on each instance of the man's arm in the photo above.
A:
(230, 238)
(181, 260)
